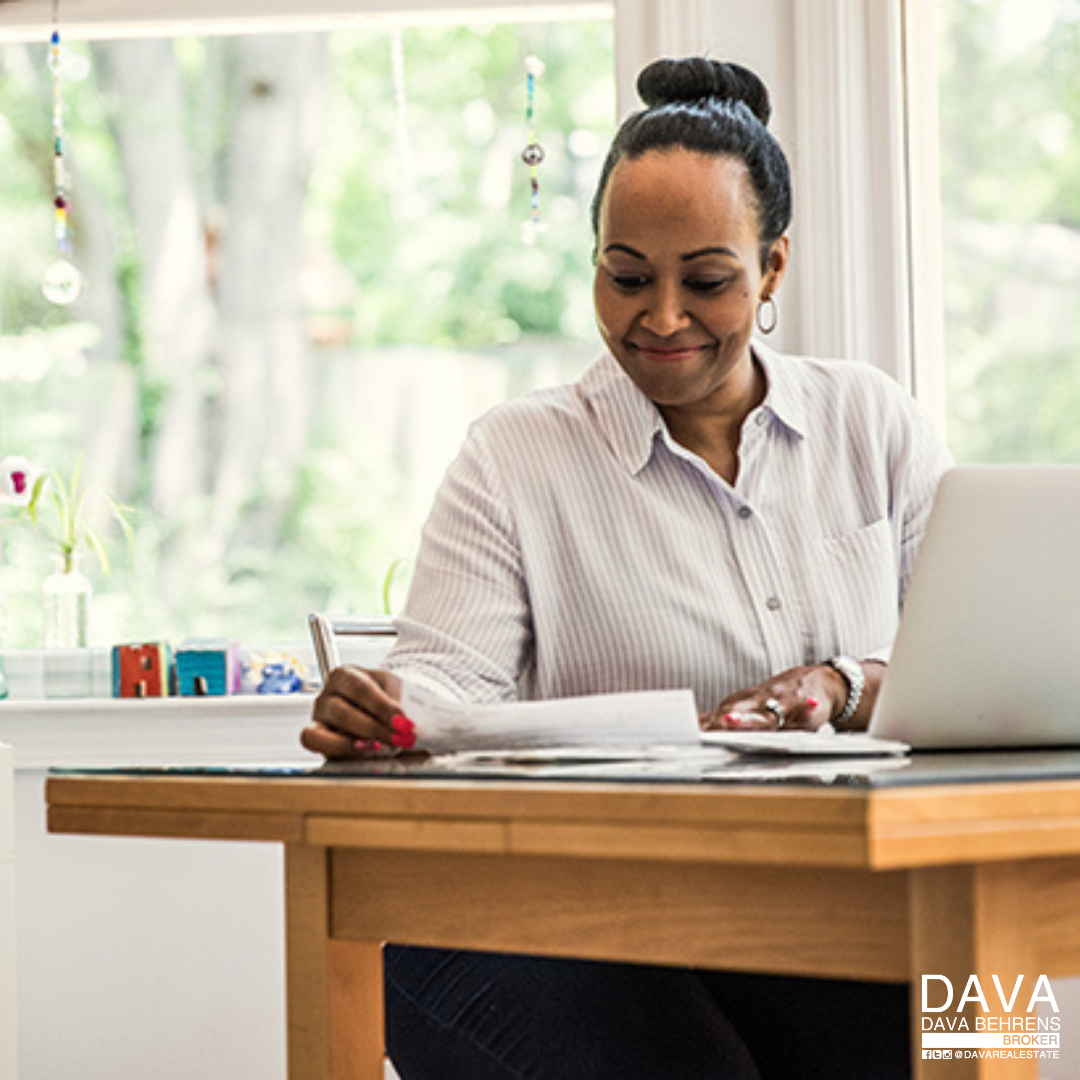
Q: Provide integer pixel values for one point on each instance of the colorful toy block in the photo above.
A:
(142, 670)
(207, 667)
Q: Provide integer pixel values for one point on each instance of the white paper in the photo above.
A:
(666, 763)
(821, 770)
(804, 743)
(563, 763)
(626, 722)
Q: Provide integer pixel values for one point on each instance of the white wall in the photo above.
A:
(142, 958)
(139, 957)
(8, 1040)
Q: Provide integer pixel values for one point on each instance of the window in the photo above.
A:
(306, 272)
(1009, 88)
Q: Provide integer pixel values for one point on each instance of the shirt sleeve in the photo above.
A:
(466, 629)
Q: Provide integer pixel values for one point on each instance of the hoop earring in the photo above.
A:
(767, 305)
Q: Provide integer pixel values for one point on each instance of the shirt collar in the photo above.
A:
(784, 397)
(630, 422)
(627, 419)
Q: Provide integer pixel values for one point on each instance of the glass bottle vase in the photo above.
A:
(66, 593)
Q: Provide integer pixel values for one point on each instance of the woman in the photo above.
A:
(697, 511)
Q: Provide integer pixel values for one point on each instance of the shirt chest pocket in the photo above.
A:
(859, 589)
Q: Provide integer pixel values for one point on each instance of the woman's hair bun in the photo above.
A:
(665, 82)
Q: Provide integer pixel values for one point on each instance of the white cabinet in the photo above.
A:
(142, 957)
(8, 1043)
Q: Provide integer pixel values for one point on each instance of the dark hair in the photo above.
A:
(711, 108)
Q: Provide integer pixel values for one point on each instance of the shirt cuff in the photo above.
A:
(882, 656)
(424, 680)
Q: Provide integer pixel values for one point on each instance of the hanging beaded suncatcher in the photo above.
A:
(533, 153)
(62, 281)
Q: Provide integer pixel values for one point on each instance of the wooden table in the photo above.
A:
(880, 884)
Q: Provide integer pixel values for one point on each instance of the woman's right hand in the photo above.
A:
(357, 714)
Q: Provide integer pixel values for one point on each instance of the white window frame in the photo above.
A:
(864, 283)
(29, 19)
(926, 237)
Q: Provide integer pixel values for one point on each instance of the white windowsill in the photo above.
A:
(70, 733)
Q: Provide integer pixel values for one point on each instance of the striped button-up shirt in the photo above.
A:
(575, 548)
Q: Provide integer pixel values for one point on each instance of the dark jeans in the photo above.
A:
(487, 1016)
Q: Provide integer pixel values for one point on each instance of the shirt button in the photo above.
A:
(773, 603)
(761, 419)
(744, 512)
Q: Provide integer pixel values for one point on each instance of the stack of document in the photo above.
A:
(647, 726)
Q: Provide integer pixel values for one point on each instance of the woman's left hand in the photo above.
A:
(804, 698)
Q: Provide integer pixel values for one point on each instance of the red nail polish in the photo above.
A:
(405, 742)
(812, 703)
(402, 724)
(369, 746)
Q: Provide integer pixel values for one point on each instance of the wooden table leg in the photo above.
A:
(333, 988)
(357, 1039)
(971, 920)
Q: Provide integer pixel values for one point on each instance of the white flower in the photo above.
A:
(17, 478)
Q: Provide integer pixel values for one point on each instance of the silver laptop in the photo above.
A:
(988, 651)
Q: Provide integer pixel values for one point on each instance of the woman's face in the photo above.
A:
(678, 275)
